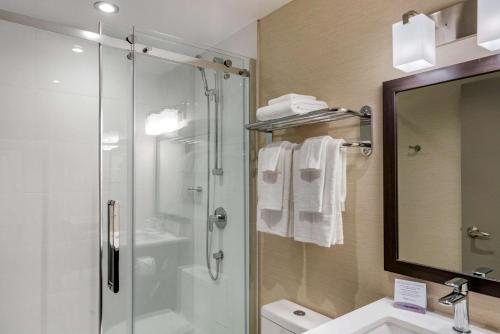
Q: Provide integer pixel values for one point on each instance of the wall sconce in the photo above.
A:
(488, 24)
(414, 42)
(415, 38)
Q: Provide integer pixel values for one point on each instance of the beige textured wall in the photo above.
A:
(340, 51)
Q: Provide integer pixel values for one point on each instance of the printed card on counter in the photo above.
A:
(411, 296)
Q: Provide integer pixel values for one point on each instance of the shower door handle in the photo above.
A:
(114, 245)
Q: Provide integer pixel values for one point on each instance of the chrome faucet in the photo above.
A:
(459, 299)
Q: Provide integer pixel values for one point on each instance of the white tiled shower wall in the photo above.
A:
(48, 183)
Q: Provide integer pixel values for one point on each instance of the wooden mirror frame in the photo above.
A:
(391, 242)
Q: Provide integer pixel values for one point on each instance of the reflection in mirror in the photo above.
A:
(448, 179)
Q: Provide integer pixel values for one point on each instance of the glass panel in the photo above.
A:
(177, 188)
(117, 140)
(49, 152)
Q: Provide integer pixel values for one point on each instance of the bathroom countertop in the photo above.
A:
(365, 319)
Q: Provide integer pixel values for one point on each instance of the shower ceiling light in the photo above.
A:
(106, 7)
(55, 81)
(414, 42)
(488, 24)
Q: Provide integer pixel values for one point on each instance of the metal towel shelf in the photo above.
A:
(322, 116)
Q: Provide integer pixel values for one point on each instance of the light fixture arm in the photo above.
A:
(408, 14)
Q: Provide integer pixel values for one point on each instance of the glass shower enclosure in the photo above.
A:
(123, 183)
(174, 176)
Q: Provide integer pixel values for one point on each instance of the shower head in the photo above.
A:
(203, 77)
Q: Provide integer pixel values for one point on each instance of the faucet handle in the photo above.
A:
(458, 283)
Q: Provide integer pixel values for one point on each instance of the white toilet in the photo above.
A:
(285, 317)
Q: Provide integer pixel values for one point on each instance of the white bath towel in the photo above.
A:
(276, 221)
(310, 182)
(291, 98)
(324, 228)
(287, 108)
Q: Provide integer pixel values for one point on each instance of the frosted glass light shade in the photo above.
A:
(414, 44)
(488, 24)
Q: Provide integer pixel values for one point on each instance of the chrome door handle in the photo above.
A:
(197, 189)
(114, 246)
(474, 233)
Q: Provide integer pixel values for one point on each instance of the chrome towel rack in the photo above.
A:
(322, 116)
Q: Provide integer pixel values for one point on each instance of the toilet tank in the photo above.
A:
(286, 317)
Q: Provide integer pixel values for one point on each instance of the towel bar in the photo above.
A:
(321, 116)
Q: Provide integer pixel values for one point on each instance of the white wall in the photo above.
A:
(242, 42)
(48, 183)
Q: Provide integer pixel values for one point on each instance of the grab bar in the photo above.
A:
(114, 245)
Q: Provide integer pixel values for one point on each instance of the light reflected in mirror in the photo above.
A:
(448, 175)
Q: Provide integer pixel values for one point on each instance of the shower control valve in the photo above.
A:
(219, 219)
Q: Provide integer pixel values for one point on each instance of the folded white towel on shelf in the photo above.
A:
(287, 108)
(291, 98)
(311, 175)
(272, 217)
(324, 228)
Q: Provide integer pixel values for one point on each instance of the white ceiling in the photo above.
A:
(201, 21)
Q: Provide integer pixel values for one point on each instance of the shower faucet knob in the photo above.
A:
(219, 219)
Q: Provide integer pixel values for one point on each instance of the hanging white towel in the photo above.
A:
(326, 227)
(287, 108)
(269, 157)
(291, 98)
(312, 153)
(310, 182)
(276, 221)
(270, 183)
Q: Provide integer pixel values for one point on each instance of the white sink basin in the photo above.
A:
(394, 326)
(381, 317)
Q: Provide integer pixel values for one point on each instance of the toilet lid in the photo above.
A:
(293, 317)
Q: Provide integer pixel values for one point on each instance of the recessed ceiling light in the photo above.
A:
(77, 49)
(55, 81)
(106, 7)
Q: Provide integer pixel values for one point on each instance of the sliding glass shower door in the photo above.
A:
(190, 257)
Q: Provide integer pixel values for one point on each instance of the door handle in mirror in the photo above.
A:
(482, 272)
(474, 233)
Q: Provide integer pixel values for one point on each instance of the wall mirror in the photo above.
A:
(441, 174)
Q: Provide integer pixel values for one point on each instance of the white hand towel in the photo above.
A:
(291, 98)
(277, 222)
(312, 153)
(269, 157)
(270, 185)
(311, 175)
(287, 108)
(326, 227)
